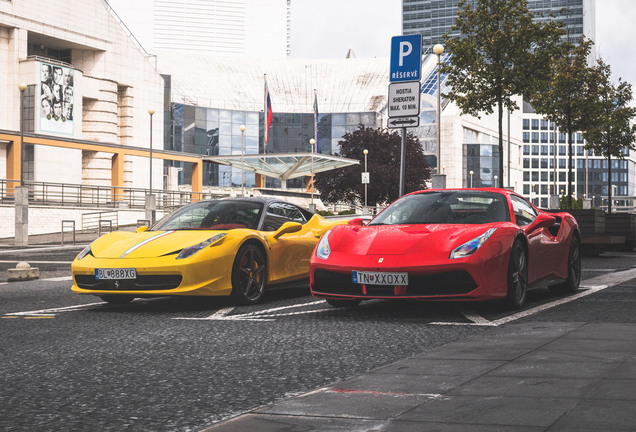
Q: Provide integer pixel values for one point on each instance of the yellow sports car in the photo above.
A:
(234, 247)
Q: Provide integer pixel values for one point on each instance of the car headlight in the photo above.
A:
(84, 252)
(191, 250)
(472, 246)
(323, 249)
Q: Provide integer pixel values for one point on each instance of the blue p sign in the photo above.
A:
(406, 58)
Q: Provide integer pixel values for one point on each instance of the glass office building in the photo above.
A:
(214, 131)
(434, 18)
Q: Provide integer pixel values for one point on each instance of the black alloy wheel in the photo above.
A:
(571, 284)
(248, 275)
(517, 276)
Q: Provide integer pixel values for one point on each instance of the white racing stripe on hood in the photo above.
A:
(138, 245)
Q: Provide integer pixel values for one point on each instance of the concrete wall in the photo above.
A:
(45, 220)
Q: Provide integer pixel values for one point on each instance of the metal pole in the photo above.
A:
(508, 151)
(554, 169)
(439, 50)
(151, 112)
(242, 159)
(366, 171)
(312, 142)
(439, 117)
(402, 161)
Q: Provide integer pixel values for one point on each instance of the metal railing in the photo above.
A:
(98, 220)
(74, 195)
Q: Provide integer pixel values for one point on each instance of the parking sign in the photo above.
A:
(406, 58)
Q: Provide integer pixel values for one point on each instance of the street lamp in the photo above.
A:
(471, 178)
(151, 112)
(312, 143)
(496, 181)
(439, 50)
(366, 152)
(22, 86)
(242, 158)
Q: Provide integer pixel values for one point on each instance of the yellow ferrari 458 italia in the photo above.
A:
(227, 247)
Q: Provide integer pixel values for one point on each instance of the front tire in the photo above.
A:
(517, 276)
(248, 275)
(571, 284)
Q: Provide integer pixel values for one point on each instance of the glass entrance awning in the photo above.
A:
(283, 166)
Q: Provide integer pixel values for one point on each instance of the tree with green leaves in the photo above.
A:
(383, 163)
(501, 52)
(611, 130)
(567, 98)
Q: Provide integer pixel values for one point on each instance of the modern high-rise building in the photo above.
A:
(433, 18)
(543, 158)
(252, 28)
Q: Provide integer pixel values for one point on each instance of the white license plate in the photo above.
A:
(116, 273)
(379, 278)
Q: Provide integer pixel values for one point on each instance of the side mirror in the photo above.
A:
(356, 221)
(541, 221)
(141, 229)
(286, 228)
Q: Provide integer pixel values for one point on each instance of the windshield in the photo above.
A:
(215, 215)
(446, 207)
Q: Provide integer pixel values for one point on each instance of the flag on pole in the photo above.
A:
(267, 112)
(316, 121)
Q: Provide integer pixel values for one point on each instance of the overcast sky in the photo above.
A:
(328, 28)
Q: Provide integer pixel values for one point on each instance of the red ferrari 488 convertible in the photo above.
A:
(449, 244)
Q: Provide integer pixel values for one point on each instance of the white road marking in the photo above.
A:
(472, 315)
(58, 279)
(264, 315)
(589, 288)
(53, 311)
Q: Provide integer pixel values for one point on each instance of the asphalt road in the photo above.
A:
(71, 362)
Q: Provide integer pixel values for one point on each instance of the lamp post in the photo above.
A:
(151, 112)
(22, 86)
(312, 206)
(242, 159)
(471, 178)
(366, 152)
(439, 50)
(496, 181)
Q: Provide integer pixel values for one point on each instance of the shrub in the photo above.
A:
(576, 203)
(347, 212)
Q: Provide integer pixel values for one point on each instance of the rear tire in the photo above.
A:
(339, 303)
(117, 299)
(248, 275)
(571, 284)
(517, 276)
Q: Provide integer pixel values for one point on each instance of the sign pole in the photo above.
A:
(402, 160)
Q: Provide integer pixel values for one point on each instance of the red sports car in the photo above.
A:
(449, 244)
